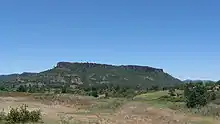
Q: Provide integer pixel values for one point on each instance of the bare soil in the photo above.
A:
(55, 111)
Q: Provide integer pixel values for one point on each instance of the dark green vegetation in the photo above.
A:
(196, 98)
(198, 81)
(89, 78)
(195, 95)
(20, 115)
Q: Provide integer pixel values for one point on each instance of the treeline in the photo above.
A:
(108, 89)
(195, 94)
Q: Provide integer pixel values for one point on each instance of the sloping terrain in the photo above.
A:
(92, 73)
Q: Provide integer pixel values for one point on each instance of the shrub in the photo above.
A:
(64, 89)
(95, 94)
(171, 98)
(13, 116)
(196, 95)
(22, 115)
(2, 115)
(22, 88)
(106, 95)
(35, 116)
(212, 96)
(172, 92)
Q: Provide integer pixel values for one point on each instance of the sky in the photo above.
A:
(180, 36)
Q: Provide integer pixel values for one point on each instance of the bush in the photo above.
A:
(212, 96)
(64, 89)
(171, 98)
(172, 92)
(35, 116)
(21, 115)
(196, 95)
(22, 88)
(2, 115)
(95, 94)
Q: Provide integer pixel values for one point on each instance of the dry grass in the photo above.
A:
(14, 94)
(69, 109)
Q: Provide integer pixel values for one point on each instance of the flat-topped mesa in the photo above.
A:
(142, 68)
(63, 64)
(91, 65)
(72, 74)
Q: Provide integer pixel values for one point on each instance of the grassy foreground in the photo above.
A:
(70, 109)
(203, 116)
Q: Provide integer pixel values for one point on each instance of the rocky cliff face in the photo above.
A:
(92, 65)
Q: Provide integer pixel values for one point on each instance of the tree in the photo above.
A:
(155, 88)
(32, 88)
(172, 92)
(22, 88)
(106, 95)
(212, 95)
(218, 82)
(196, 95)
(95, 93)
(64, 89)
(2, 88)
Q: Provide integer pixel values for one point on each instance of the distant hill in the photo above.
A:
(93, 73)
(197, 81)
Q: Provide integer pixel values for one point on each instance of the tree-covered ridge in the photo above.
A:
(93, 65)
(74, 74)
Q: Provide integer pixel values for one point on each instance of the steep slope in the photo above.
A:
(93, 73)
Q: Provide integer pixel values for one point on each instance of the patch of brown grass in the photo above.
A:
(65, 100)
(14, 94)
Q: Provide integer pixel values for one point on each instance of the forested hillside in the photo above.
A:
(87, 74)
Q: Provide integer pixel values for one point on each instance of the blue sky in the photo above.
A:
(180, 36)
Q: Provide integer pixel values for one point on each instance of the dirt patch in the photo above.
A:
(129, 113)
(48, 111)
(141, 113)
